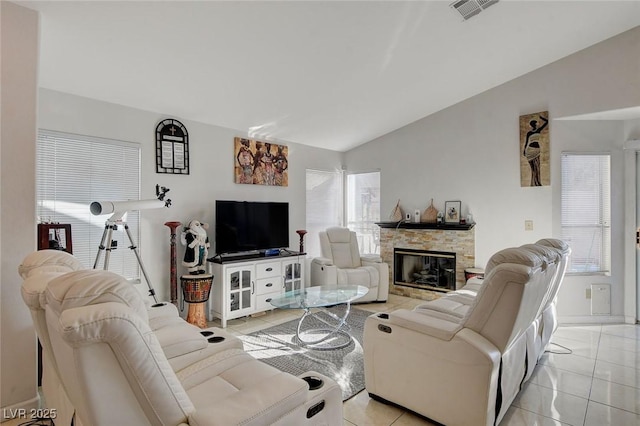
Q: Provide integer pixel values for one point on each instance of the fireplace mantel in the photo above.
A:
(422, 225)
(460, 241)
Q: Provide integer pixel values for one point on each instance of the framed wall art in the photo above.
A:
(534, 149)
(260, 163)
(172, 147)
(452, 211)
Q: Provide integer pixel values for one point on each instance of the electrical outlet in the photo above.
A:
(528, 225)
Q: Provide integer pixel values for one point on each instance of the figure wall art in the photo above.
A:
(534, 150)
(261, 163)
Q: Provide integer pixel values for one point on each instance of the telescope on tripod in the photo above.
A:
(119, 209)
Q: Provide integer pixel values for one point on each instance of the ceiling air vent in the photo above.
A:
(469, 8)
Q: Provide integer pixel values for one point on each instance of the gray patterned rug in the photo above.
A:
(278, 346)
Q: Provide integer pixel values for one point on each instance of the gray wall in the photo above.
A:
(470, 152)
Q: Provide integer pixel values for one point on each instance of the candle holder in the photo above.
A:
(301, 233)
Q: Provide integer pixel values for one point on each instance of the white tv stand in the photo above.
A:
(244, 285)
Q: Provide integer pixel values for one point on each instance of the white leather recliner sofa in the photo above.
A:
(112, 367)
(342, 264)
(462, 359)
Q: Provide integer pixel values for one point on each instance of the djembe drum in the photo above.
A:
(196, 289)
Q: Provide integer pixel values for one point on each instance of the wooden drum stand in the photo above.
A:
(196, 289)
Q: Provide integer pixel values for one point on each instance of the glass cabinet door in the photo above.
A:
(292, 276)
(241, 289)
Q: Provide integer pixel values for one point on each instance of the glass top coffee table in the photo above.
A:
(321, 297)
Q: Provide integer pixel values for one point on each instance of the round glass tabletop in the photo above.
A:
(319, 296)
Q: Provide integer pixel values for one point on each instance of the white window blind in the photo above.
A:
(71, 172)
(363, 209)
(324, 205)
(586, 211)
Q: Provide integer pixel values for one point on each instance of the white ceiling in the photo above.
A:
(332, 74)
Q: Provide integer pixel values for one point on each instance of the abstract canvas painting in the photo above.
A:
(260, 163)
(534, 149)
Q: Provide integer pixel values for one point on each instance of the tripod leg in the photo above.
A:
(109, 241)
(101, 246)
(133, 247)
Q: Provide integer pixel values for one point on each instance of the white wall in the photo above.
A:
(193, 196)
(19, 35)
(470, 152)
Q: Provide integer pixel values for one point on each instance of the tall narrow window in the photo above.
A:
(586, 211)
(324, 205)
(363, 209)
(71, 172)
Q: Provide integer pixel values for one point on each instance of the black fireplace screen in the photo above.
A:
(431, 270)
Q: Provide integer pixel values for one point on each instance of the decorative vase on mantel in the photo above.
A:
(430, 214)
(396, 213)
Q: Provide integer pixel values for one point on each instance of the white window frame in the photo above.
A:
(585, 220)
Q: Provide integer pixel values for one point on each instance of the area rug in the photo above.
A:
(279, 347)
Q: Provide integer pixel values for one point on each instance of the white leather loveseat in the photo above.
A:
(116, 361)
(462, 359)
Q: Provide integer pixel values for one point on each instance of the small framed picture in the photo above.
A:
(452, 211)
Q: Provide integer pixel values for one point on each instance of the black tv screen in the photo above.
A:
(251, 225)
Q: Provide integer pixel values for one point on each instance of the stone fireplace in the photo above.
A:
(424, 269)
(415, 239)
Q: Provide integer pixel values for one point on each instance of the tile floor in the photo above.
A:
(597, 384)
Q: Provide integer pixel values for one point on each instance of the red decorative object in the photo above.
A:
(301, 232)
(174, 272)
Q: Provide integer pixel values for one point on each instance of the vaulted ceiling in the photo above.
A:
(332, 74)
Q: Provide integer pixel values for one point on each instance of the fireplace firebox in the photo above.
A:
(425, 269)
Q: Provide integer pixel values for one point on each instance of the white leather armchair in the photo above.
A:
(342, 264)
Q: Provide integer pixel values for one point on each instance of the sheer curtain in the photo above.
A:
(363, 209)
(324, 205)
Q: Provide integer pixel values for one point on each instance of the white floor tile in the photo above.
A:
(618, 396)
(610, 341)
(600, 415)
(574, 363)
(562, 380)
(518, 417)
(578, 333)
(621, 357)
(552, 403)
(577, 347)
(617, 374)
(623, 330)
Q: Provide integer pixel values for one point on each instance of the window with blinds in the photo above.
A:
(324, 205)
(586, 211)
(72, 171)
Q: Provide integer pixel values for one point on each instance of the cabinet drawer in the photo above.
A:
(270, 269)
(263, 301)
(268, 285)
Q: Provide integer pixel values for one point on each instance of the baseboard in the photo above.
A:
(20, 410)
(591, 319)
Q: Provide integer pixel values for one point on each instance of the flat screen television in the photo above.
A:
(243, 226)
